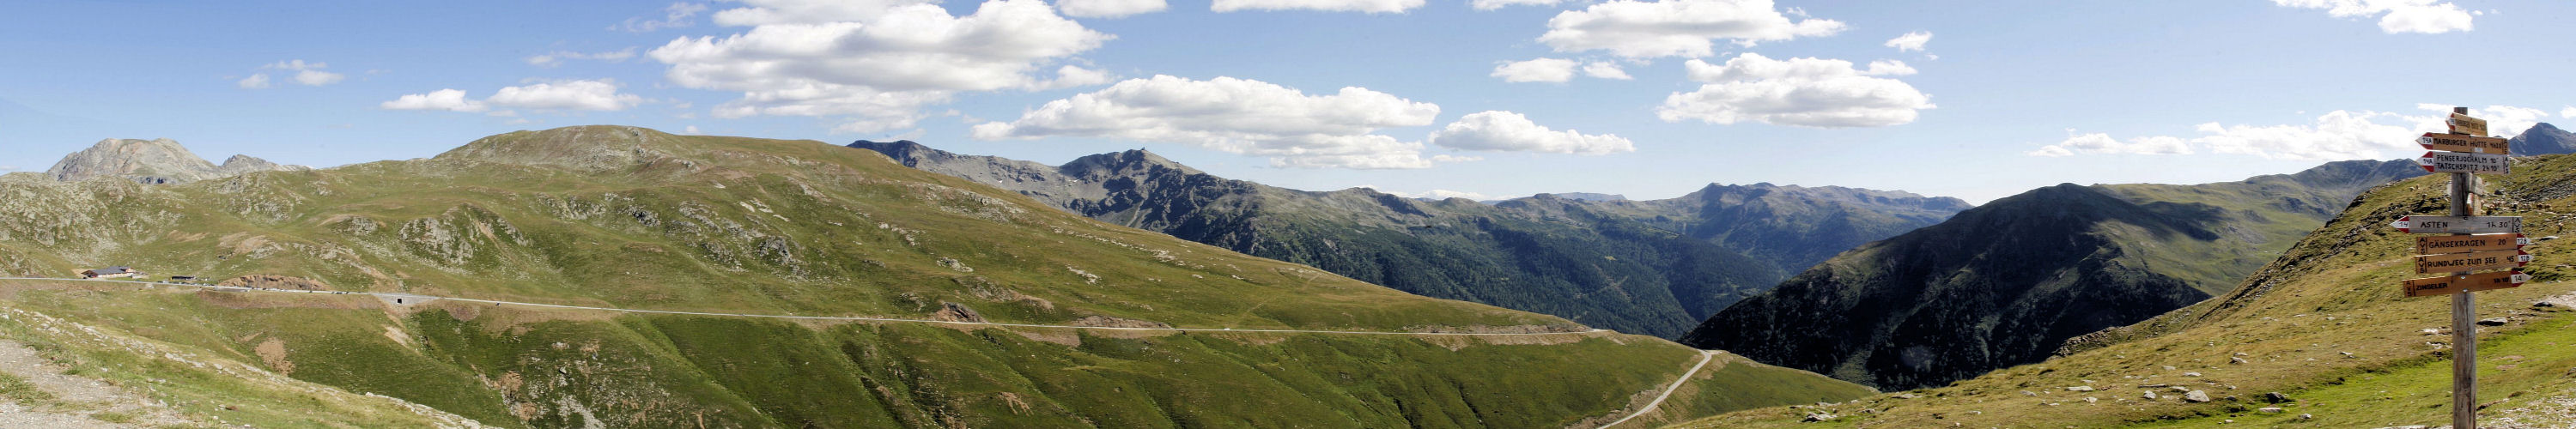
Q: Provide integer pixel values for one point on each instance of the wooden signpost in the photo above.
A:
(2465, 152)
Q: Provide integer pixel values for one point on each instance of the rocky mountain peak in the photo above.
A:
(2544, 139)
(1122, 163)
(907, 152)
(154, 161)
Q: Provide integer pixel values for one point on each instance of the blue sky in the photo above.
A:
(1410, 96)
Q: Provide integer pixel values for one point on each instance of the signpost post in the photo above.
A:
(2464, 152)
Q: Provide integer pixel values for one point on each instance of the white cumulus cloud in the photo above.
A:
(1242, 116)
(2333, 136)
(1499, 4)
(1556, 70)
(1495, 130)
(1071, 76)
(2337, 135)
(1605, 70)
(1910, 41)
(2569, 113)
(570, 95)
(2098, 143)
(875, 64)
(1806, 92)
(676, 15)
(1108, 8)
(1537, 70)
(2505, 121)
(767, 12)
(308, 74)
(1369, 6)
(598, 95)
(453, 100)
(1662, 28)
(2395, 16)
(317, 77)
(556, 58)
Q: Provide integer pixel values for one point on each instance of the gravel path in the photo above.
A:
(72, 393)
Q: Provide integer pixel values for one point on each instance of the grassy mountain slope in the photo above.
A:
(2324, 325)
(2008, 282)
(1594, 268)
(188, 386)
(628, 217)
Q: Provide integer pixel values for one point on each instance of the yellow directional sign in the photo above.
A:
(2472, 261)
(2440, 244)
(2461, 143)
(2464, 124)
(2446, 285)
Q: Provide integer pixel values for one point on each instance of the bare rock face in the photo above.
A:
(156, 161)
(954, 312)
(266, 281)
(1114, 322)
(245, 164)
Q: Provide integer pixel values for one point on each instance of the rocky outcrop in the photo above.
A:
(1113, 322)
(156, 161)
(954, 312)
(266, 281)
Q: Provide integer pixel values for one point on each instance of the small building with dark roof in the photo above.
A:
(111, 273)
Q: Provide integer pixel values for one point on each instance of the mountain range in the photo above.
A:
(2008, 282)
(605, 276)
(1651, 267)
(1789, 227)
